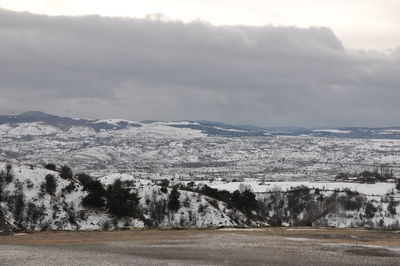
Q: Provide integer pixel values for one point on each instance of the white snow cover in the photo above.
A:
(335, 131)
(178, 123)
(161, 148)
(31, 178)
(388, 131)
(81, 131)
(196, 210)
(114, 122)
(230, 129)
(24, 129)
(378, 189)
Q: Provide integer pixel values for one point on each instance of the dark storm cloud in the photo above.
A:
(154, 69)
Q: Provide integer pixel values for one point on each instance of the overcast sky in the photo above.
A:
(359, 24)
(298, 63)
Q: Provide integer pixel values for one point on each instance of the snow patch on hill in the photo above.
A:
(24, 129)
(378, 189)
(334, 131)
(64, 210)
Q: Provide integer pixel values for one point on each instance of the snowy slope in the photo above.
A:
(24, 129)
(333, 205)
(64, 211)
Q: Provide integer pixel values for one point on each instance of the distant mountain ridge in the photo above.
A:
(207, 127)
(36, 116)
(65, 123)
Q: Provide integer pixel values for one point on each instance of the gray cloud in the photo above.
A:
(151, 69)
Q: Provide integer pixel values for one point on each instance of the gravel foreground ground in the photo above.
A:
(266, 246)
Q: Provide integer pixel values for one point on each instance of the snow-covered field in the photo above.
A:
(378, 189)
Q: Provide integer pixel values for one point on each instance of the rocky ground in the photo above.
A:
(266, 246)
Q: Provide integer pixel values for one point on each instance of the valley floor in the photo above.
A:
(265, 246)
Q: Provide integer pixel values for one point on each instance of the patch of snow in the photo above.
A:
(335, 131)
(378, 189)
(230, 129)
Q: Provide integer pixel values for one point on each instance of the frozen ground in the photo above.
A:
(270, 246)
(378, 189)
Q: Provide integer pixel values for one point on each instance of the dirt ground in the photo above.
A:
(265, 246)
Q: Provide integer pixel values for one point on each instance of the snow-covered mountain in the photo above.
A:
(36, 119)
(209, 128)
(194, 150)
(346, 132)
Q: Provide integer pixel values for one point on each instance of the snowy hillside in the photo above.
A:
(219, 159)
(35, 198)
(27, 203)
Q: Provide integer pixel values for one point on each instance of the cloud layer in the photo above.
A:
(168, 70)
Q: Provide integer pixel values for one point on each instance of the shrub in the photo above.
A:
(33, 213)
(372, 177)
(213, 203)
(51, 184)
(70, 187)
(173, 200)
(381, 223)
(190, 185)
(370, 210)
(352, 204)
(298, 197)
(158, 211)
(392, 207)
(85, 179)
(222, 195)
(342, 176)
(29, 184)
(351, 193)
(66, 172)
(7, 176)
(186, 202)
(96, 194)
(18, 208)
(202, 208)
(245, 202)
(370, 180)
(121, 202)
(164, 186)
(72, 216)
(51, 166)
